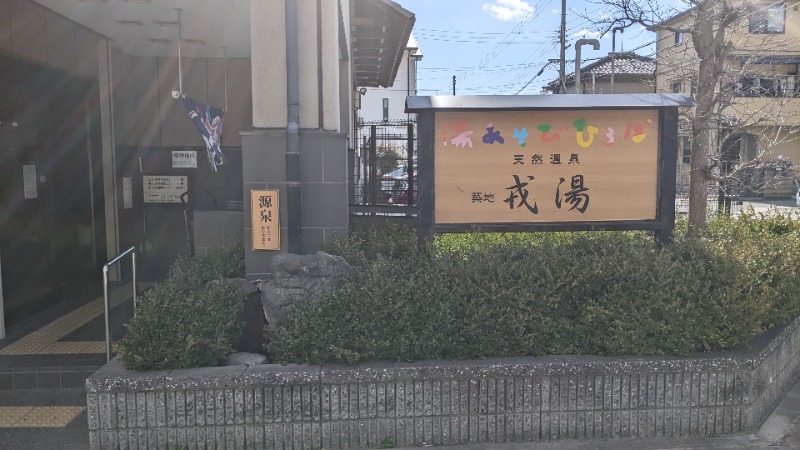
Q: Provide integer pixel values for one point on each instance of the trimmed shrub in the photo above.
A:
(364, 245)
(226, 261)
(768, 245)
(192, 319)
(479, 295)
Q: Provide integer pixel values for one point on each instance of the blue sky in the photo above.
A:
(497, 46)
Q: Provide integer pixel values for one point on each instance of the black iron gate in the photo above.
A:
(383, 175)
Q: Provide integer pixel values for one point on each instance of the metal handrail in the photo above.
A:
(131, 251)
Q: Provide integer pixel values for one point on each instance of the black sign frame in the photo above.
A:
(667, 105)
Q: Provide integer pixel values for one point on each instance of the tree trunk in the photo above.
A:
(709, 53)
(697, 184)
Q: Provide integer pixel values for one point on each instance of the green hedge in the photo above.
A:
(366, 244)
(480, 295)
(192, 319)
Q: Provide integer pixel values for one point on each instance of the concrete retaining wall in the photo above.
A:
(442, 402)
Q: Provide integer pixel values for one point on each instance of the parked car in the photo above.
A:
(394, 186)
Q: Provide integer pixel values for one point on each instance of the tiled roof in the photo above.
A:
(625, 64)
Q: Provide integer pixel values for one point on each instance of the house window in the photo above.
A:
(678, 38)
(768, 18)
(750, 86)
(676, 87)
(770, 87)
(686, 153)
(787, 86)
(385, 109)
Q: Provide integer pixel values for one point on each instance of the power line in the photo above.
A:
(534, 77)
(484, 77)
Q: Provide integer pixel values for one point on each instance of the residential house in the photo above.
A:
(388, 104)
(758, 90)
(632, 73)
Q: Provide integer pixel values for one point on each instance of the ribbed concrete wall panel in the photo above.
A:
(441, 402)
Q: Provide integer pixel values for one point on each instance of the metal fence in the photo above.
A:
(384, 175)
(717, 200)
(384, 172)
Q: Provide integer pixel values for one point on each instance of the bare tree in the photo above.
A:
(721, 49)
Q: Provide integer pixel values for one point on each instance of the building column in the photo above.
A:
(2, 308)
(109, 151)
(322, 147)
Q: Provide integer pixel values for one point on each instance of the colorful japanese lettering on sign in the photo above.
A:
(546, 166)
(265, 221)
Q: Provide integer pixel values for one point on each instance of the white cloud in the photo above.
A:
(555, 11)
(506, 10)
(586, 33)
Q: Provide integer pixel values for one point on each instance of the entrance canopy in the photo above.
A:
(148, 28)
(380, 29)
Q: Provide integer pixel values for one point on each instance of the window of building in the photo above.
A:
(770, 87)
(686, 152)
(750, 86)
(676, 86)
(385, 109)
(768, 18)
(777, 86)
(678, 38)
(787, 86)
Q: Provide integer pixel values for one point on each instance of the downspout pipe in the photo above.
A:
(614, 52)
(294, 188)
(562, 71)
(580, 43)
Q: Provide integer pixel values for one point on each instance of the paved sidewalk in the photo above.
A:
(765, 206)
(70, 434)
(44, 362)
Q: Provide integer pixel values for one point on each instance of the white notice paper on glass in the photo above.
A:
(127, 193)
(186, 159)
(29, 181)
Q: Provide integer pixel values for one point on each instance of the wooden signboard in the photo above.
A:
(265, 219)
(562, 166)
(547, 163)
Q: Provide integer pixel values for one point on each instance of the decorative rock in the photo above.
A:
(298, 280)
(245, 359)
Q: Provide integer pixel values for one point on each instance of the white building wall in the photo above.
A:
(268, 56)
(405, 84)
(330, 67)
(269, 68)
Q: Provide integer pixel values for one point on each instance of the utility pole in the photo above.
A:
(454, 85)
(562, 66)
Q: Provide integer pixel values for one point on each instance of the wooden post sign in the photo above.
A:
(547, 163)
(265, 219)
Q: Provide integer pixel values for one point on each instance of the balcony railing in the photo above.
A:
(770, 87)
